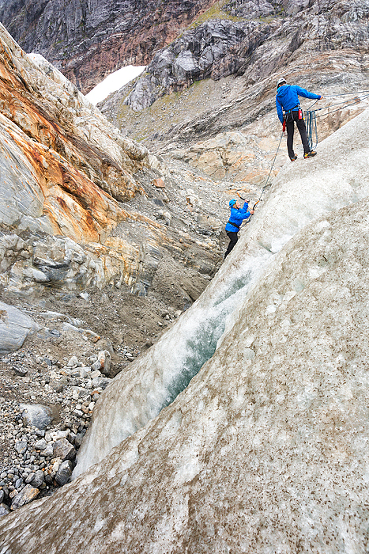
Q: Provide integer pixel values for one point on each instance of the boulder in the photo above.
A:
(15, 326)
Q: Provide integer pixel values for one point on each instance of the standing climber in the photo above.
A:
(287, 101)
(236, 218)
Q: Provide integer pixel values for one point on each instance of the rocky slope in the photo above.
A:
(89, 216)
(88, 40)
(266, 448)
(68, 172)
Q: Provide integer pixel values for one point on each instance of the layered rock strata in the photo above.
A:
(66, 171)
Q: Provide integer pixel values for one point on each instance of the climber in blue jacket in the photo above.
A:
(235, 220)
(287, 101)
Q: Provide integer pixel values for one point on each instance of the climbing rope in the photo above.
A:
(311, 128)
(267, 181)
(270, 171)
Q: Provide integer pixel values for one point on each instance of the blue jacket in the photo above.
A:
(288, 98)
(237, 217)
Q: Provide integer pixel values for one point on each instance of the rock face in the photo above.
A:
(67, 171)
(88, 40)
(251, 46)
(266, 448)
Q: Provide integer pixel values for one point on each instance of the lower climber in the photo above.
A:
(235, 220)
(289, 113)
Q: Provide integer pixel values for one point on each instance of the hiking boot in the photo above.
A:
(293, 158)
(310, 154)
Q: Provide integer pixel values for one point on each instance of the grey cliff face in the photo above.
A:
(87, 40)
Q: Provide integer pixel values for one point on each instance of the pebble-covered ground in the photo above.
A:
(50, 386)
(45, 409)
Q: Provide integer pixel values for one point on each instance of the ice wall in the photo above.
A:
(302, 192)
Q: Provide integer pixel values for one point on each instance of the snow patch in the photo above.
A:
(114, 82)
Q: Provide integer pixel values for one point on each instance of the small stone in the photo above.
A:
(96, 373)
(96, 366)
(64, 472)
(64, 450)
(78, 439)
(49, 451)
(30, 478)
(4, 510)
(40, 432)
(40, 445)
(73, 362)
(37, 415)
(158, 183)
(19, 484)
(21, 446)
(105, 361)
(38, 479)
(48, 479)
(26, 495)
(83, 372)
(20, 370)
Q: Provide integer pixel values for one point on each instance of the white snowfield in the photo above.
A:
(266, 450)
(113, 82)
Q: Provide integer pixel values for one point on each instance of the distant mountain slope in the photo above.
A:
(87, 40)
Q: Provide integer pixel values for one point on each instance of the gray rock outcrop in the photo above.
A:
(15, 326)
(227, 70)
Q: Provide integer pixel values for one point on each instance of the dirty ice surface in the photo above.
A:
(114, 82)
(303, 191)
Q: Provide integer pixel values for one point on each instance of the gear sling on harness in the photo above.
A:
(288, 115)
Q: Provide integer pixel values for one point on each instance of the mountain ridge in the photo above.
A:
(88, 40)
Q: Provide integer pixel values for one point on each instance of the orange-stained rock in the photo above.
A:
(159, 183)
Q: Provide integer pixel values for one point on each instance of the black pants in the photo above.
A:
(291, 118)
(233, 238)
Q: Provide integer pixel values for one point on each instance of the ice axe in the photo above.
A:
(248, 201)
(242, 198)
